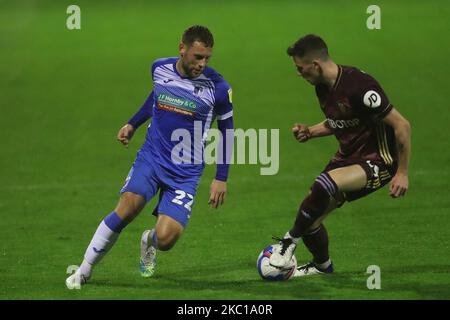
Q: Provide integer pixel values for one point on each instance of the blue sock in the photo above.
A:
(154, 239)
(114, 222)
(104, 238)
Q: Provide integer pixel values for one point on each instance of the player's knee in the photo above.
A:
(166, 240)
(324, 186)
(129, 206)
(168, 230)
(322, 192)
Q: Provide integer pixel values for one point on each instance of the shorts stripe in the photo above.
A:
(376, 182)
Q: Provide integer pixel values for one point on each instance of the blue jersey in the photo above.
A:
(186, 104)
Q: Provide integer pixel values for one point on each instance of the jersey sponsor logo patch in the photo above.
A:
(372, 99)
(175, 109)
(175, 104)
(341, 124)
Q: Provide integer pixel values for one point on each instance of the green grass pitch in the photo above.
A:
(64, 95)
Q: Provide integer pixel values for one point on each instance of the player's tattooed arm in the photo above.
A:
(303, 133)
(402, 129)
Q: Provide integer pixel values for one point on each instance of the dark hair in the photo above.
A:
(309, 45)
(198, 33)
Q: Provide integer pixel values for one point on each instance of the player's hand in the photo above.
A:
(301, 132)
(125, 134)
(218, 193)
(399, 185)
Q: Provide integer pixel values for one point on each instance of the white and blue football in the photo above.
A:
(268, 272)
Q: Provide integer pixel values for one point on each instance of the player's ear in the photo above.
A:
(316, 64)
(182, 49)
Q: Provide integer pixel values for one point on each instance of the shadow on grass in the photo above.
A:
(231, 281)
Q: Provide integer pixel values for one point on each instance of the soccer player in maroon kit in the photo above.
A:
(374, 149)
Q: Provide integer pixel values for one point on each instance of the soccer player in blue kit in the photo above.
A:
(186, 95)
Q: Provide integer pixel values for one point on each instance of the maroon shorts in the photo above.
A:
(378, 175)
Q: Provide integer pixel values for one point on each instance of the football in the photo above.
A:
(268, 272)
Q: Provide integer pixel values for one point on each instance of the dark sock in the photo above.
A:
(314, 205)
(317, 244)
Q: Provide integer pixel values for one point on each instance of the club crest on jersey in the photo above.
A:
(343, 105)
(198, 90)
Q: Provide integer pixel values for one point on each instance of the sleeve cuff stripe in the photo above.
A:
(386, 107)
(225, 116)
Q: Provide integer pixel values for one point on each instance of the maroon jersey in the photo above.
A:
(354, 108)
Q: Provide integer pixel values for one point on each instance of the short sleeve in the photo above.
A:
(372, 98)
(223, 107)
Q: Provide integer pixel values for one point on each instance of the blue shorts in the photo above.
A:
(176, 196)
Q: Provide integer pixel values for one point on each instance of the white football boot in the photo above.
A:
(147, 262)
(76, 280)
(310, 269)
(282, 253)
